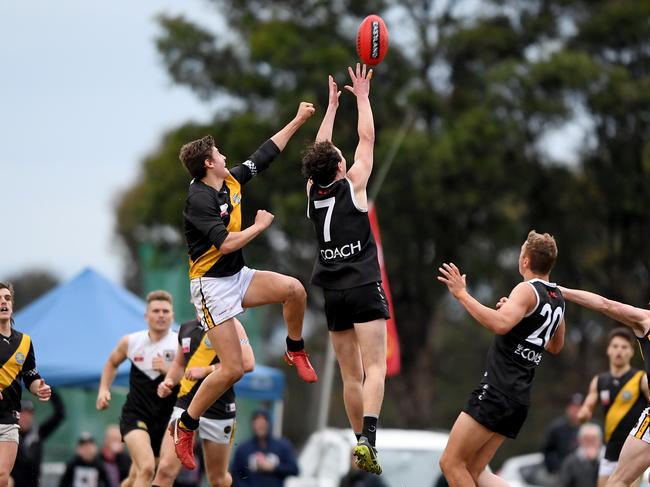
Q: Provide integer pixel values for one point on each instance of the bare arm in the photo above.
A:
(236, 240)
(636, 318)
(500, 321)
(174, 374)
(360, 171)
(644, 387)
(327, 125)
(587, 409)
(117, 356)
(556, 343)
(305, 110)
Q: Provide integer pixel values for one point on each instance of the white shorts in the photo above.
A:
(606, 467)
(217, 299)
(220, 431)
(642, 430)
(9, 432)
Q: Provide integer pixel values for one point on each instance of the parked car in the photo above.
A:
(408, 457)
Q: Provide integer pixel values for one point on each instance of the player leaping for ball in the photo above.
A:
(634, 458)
(220, 283)
(528, 322)
(347, 267)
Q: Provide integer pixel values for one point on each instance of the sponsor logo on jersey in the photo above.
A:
(207, 342)
(169, 355)
(138, 357)
(20, 358)
(185, 344)
(627, 395)
(231, 407)
(342, 252)
(236, 199)
(604, 397)
(528, 354)
(224, 210)
(142, 425)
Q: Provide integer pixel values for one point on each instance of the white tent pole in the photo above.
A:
(278, 413)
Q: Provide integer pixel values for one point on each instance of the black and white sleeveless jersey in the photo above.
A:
(513, 357)
(198, 352)
(623, 402)
(142, 398)
(347, 253)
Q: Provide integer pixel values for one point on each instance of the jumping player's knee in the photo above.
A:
(295, 290)
(166, 472)
(233, 372)
(447, 464)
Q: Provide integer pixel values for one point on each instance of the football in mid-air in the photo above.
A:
(372, 40)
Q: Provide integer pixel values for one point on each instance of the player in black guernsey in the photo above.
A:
(635, 454)
(221, 285)
(623, 394)
(17, 364)
(347, 267)
(195, 360)
(144, 415)
(528, 322)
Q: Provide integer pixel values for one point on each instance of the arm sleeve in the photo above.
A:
(29, 372)
(257, 162)
(288, 464)
(202, 213)
(49, 426)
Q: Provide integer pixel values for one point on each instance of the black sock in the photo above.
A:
(295, 345)
(358, 435)
(188, 422)
(370, 428)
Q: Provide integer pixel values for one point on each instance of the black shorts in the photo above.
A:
(130, 421)
(345, 307)
(496, 411)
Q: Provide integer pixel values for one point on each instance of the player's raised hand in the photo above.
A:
(584, 414)
(165, 388)
(264, 219)
(103, 399)
(455, 281)
(334, 93)
(305, 110)
(360, 80)
(501, 302)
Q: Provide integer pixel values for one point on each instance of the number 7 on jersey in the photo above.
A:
(329, 204)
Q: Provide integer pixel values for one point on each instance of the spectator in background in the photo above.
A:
(115, 460)
(263, 461)
(360, 478)
(580, 468)
(27, 469)
(560, 438)
(85, 469)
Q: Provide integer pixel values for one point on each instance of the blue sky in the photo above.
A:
(83, 97)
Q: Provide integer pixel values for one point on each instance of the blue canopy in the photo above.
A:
(75, 326)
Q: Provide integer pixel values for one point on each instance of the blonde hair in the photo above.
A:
(160, 295)
(541, 250)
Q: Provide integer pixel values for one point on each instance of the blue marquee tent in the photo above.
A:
(75, 326)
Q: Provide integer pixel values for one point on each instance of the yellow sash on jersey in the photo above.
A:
(202, 357)
(619, 407)
(14, 364)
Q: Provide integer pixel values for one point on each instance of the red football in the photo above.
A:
(372, 40)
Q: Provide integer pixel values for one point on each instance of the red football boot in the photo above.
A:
(301, 361)
(183, 444)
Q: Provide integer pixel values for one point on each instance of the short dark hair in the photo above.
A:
(621, 332)
(320, 162)
(193, 155)
(541, 250)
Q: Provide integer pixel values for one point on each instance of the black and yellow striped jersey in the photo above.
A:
(622, 401)
(18, 363)
(198, 352)
(211, 214)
